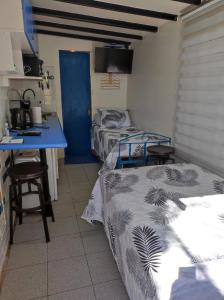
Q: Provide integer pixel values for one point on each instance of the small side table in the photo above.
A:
(161, 154)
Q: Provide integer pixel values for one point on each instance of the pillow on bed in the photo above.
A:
(113, 118)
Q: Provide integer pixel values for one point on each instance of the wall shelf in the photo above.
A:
(22, 77)
(5, 79)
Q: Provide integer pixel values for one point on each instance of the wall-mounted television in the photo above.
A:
(113, 60)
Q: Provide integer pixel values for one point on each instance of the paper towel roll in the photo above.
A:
(37, 116)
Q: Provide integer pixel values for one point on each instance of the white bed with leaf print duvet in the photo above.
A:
(165, 226)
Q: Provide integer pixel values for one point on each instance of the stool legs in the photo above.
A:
(43, 212)
(11, 196)
(49, 205)
(52, 213)
(16, 205)
(20, 203)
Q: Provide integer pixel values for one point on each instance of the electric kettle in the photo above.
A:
(21, 118)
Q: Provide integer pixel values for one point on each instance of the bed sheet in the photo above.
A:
(165, 225)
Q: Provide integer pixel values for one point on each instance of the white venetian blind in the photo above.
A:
(200, 105)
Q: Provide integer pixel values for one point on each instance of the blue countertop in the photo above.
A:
(52, 137)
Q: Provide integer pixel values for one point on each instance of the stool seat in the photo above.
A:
(27, 171)
(161, 153)
(161, 150)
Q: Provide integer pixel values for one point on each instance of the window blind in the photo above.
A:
(199, 133)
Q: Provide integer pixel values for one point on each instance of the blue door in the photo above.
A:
(76, 105)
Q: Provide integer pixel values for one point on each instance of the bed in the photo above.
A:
(114, 139)
(104, 139)
(165, 226)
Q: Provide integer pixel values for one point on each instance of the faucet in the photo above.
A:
(24, 93)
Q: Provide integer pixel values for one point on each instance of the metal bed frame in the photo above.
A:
(142, 160)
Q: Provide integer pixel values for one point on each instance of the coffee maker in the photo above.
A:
(21, 115)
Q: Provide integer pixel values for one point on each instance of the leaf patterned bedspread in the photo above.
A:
(104, 139)
(165, 226)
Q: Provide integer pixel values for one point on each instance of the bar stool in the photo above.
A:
(161, 153)
(30, 173)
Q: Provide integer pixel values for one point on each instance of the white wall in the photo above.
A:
(49, 47)
(3, 108)
(152, 86)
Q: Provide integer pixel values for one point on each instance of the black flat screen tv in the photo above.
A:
(112, 60)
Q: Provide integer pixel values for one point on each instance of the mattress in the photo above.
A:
(165, 226)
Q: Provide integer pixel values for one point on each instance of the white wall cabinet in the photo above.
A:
(16, 17)
(17, 36)
(10, 56)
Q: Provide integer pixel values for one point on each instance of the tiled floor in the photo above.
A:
(77, 264)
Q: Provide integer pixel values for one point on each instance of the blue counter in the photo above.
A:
(52, 137)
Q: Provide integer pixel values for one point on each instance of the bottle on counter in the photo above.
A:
(7, 129)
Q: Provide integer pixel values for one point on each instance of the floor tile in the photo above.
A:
(79, 187)
(29, 232)
(62, 175)
(64, 197)
(95, 241)
(85, 226)
(74, 168)
(73, 240)
(102, 267)
(75, 172)
(81, 195)
(92, 172)
(92, 166)
(113, 290)
(68, 274)
(65, 226)
(27, 254)
(92, 179)
(79, 208)
(63, 209)
(92, 184)
(25, 283)
(64, 247)
(77, 178)
(32, 218)
(63, 186)
(86, 293)
(63, 180)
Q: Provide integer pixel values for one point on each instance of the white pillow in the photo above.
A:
(114, 118)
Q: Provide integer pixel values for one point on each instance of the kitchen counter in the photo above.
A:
(52, 137)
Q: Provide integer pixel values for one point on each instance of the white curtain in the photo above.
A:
(199, 133)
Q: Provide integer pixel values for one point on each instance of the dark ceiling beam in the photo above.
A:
(89, 30)
(82, 37)
(123, 9)
(90, 19)
(193, 2)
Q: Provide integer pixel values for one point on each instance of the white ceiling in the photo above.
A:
(166, 6)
